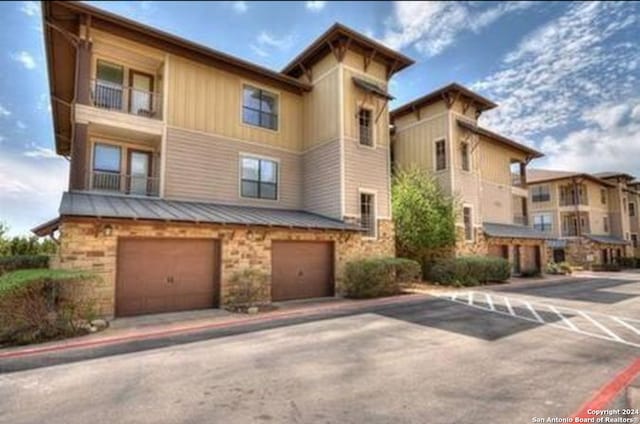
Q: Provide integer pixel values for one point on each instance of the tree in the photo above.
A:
(423, 214)
(23, 245)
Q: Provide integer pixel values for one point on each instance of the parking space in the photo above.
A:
(426, 359)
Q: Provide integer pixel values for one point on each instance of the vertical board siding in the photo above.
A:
(366, 168)
(208, 99)
(321, 111)
(203, 167)
(321, 179)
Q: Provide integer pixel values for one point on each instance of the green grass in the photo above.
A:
(18, 279)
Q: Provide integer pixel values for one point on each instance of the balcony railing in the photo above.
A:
(520, 220)
(126, 184)
(121, 98)
(517, 180)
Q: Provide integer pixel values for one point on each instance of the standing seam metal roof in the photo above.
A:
(127, 207)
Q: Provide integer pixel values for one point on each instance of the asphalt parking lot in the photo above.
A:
(430, 360)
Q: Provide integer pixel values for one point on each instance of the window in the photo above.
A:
(603, 196)
(106, 167)
(441, 155)
(468, 223)
(366, 129)
(540, 193)
(624, 204)
(259, 178)
(542, 222)
(259, 108)
(634, 240)
(106, 158)
(367, 214)
(464, 153)
(632, 208)
(605, 224)
(108, 86)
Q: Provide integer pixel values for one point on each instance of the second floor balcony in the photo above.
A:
(133, 100)
(113, 182)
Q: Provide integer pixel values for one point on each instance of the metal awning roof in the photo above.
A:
(81, 204)
(513, 231)
(371, 88)
(605, 239)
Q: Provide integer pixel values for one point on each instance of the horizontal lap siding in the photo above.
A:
(366, 169)
(205, 167)
(322, 180)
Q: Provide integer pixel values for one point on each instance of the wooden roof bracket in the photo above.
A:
(416, 110)
(392, 70)
(368, 59)
(449, 101)
(384, 104)
(307, 72)
(343, 49)
(72, 38)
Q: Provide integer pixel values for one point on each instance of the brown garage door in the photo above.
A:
(301, 270)
(165, 275)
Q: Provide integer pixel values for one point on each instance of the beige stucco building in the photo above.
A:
(484, 171)
(189, 165)
(593, 218)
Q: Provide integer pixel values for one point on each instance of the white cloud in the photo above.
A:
(431, 27)
(316, 6)
(4, 112)
(267, 42)
(240, 6)
(21, 125)
(41, 152)
(30, 189)
(25, 58)
(2, 139)
(563, 67)
(609, 144)
(30, 8)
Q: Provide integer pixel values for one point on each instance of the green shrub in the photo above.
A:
(247, 288)
(367, 278)
(562, 268)
(13, 263)
(470, 270)
(606, 267)
(33, 308)
(629, 262)
(530, 273)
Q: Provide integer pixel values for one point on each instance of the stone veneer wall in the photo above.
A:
(582, 251)
(83, 245)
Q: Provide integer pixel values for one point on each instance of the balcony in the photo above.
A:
(520, 220)
(135, 185)
(129, 100)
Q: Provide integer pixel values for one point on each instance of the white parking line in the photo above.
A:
(609, 327)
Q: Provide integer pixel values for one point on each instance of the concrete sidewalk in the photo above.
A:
(150, 332)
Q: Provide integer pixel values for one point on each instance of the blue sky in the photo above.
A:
(565, 74)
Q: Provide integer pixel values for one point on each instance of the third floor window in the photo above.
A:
(465, 159)
(259, 179)
(259, 108)
(632, 209)
(365, 127)
(441, 155)
(540, 194)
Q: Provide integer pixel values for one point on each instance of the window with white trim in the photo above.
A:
(259, 178)
(465, 156)
(605, 224)
(634, 240)
(603, 196)
(543, 222)
(632, 208)
(467, 219)
(441, 155)
(365, 126)
(367, 214)
(259, 108)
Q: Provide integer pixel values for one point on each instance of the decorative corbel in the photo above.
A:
(307, 72)
(384, 104)
(416, 111)
(368, 59)
(392, 69)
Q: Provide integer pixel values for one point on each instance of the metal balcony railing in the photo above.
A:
(126, 184)
(135, 101)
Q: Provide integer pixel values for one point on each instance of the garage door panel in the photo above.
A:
(301, 270)
(163, 275)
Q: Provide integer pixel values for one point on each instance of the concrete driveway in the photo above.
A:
(430, 360)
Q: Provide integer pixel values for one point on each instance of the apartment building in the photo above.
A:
(484, 171)
(188, 165)
(593, 218)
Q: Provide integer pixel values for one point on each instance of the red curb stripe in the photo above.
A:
(188, 329)
(609, 391)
